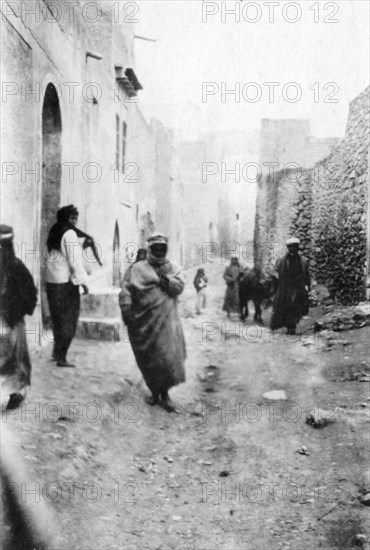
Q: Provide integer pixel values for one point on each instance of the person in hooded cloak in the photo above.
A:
(148, 301)
(18, 297)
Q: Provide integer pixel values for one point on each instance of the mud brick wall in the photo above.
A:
(339, 190)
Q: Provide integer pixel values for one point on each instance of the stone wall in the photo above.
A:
(116, 196)
(38, 53)
(340, 193)
(282, 197)
(326, 207)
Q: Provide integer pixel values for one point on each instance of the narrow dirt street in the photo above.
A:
(236, 469)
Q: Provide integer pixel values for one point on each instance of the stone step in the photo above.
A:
(107, 329)
(101, 303)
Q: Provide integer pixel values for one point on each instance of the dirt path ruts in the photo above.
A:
(223, 474)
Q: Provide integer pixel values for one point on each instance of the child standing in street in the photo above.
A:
(200, 283)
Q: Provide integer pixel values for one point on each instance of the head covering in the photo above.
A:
(7, 254)
(6, 233)
(292, 240)
(57, 231)
(156, 238)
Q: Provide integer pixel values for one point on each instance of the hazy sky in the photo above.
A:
(190, 52)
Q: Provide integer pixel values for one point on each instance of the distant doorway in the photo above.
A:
(116, 258)
(51, 177)
(212, 233)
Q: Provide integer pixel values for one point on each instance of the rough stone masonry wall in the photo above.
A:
(301, 224)
(326, 207)
(281, 197)
(339, 185)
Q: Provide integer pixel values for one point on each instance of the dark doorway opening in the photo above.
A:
(51, 178)
(116, 258)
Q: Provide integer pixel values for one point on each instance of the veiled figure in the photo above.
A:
(148, 302)
(18, 297)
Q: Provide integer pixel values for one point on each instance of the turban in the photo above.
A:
(6, 233)
(292, 240)
(157, 238)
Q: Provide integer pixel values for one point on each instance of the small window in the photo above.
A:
(124, 134)
(237, 216)
(117, 143)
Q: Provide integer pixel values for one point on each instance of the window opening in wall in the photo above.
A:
(116, 258)
(124, 135)
(237, 216)
(117, 143)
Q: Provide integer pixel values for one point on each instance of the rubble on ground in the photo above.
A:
(321, 417)
(344, 318)
(319, 295)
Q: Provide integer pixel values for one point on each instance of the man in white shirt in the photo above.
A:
(64, 274)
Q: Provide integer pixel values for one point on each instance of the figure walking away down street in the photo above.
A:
(231, 274)
(200, 283)
(140, 256)
(18, 297)
(64, 275)
(291, 301)
(148, 302)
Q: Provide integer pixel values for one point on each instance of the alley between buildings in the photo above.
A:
(239, 467)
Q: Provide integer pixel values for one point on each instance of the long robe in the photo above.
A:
(26, 522)
(18, 296)
(153, 323)
(291, 300)
(231, 300)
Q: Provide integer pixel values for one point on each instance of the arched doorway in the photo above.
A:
(116, 258)
(51, 176)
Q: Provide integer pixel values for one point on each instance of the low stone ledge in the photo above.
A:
(101, 330)
(101, 303)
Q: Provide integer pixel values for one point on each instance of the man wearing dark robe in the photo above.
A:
(148, 302)
(18, 297)
(293, 285)
(231, 275)
(24, 523)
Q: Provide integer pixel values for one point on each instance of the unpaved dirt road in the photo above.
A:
(224, 473)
